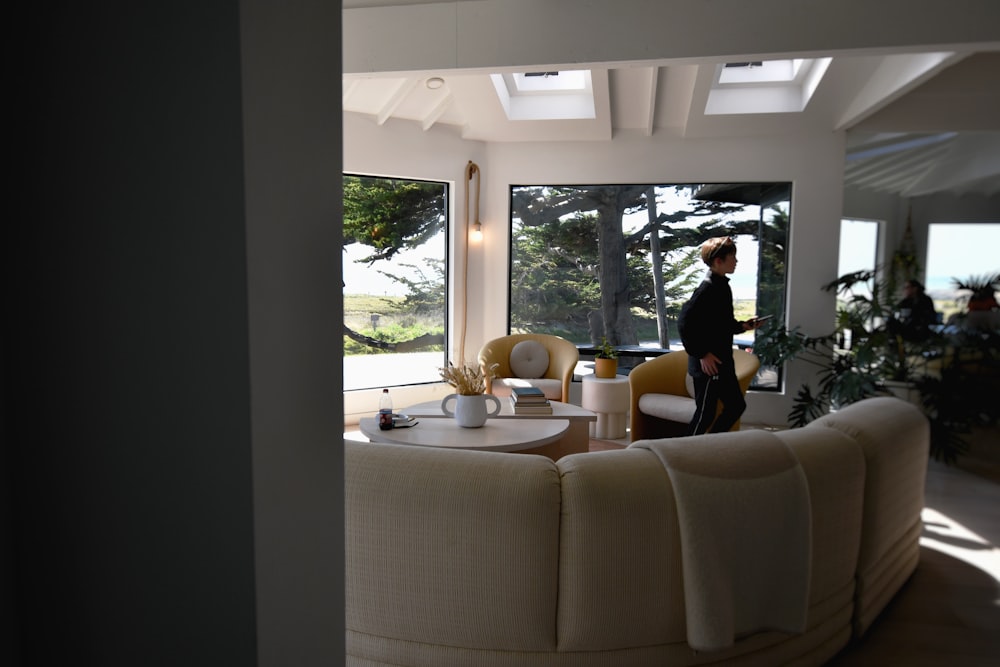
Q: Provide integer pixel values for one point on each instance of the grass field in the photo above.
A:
(383, 318)
(394, 324)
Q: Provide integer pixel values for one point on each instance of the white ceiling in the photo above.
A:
(917, 123)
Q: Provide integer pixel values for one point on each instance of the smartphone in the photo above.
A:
(763, 318)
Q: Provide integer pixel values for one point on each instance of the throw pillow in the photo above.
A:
(529, 359)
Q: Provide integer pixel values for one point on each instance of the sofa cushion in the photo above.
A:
(425, 524)
(835, 467)
(689, 384)
(529, 359)
(667, 406)
(606, 557)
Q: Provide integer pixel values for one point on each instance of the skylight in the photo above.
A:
(562, 95)
(530, 82)
(769, 86)
(768, 71)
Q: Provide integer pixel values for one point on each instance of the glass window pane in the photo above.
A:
(858, 246)
(395, 281)
(959, 251)
(620, 260)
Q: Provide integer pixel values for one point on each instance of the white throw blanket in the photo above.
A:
(746, 534)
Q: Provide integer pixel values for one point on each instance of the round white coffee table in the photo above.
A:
(496, 435)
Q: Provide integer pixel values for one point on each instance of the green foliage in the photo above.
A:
(605, 350)
(805, 408)
(772, 247)
(557, 236)
(389, 215)
(980, 289)
(956, 397)
(426, 295)
(553, 273)
(682, 271)
(396, 323)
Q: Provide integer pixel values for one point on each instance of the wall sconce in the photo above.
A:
(476, 229)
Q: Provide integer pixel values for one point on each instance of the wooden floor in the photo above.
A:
(948, 613)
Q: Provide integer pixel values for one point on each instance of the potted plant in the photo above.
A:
(605, 360)
(982, 292)
(470, 399)
(864, 356)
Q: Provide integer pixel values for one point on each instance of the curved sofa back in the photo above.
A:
(459, 558)
(895, 439)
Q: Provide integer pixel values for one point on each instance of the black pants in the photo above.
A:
(708, 391)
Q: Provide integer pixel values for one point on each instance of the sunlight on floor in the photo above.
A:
(943, 534)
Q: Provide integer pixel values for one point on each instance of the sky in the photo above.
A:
(359, 279)
(961, 251)
(955, 250)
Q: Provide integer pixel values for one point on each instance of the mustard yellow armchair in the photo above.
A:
(662, 394)
(544, 361)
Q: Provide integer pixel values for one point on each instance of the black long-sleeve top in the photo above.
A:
(707, 323)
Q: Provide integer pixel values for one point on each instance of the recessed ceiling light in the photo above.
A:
(435, 82)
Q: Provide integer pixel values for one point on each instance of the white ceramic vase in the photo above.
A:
(470, 411)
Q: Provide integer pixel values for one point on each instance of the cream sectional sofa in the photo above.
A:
(480, 559)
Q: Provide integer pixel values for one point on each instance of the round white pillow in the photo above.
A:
(529, 359)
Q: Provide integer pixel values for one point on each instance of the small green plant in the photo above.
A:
(605, 351)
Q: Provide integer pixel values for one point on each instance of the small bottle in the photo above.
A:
(385, 411)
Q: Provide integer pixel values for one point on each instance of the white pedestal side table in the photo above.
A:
(609, 398)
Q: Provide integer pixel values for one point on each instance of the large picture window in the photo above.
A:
(395, 281)
(619, 261)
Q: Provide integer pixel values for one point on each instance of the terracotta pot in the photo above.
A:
(605, 368)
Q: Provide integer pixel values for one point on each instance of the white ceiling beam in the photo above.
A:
(895, 161)
(650, 109)
(397, 97)
(895, 76)
(970, 159)
(435, 113)
(349, 89)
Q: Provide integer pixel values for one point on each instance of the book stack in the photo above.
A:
(529, 401)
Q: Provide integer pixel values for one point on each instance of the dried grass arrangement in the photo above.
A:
(468, 380)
